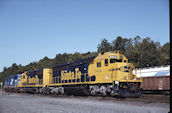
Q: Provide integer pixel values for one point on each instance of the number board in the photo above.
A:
(112, 56)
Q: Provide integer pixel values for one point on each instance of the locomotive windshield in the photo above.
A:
(115, 60)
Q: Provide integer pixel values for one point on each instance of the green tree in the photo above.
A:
(120, 44)
(104, 46)
(165, 54)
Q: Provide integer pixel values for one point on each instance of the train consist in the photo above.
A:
(106, 74)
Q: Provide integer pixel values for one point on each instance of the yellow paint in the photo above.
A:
(26, 81)
(47, 76)
(106, 73)
(70, 75)
(23, 79)
(109, 72)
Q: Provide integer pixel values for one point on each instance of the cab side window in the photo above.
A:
(106, 62)
(99, 64)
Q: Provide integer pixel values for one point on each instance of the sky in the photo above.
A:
(33, 29)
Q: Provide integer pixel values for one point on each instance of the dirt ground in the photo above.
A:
(29, 103)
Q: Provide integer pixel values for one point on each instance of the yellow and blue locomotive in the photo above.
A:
(106, 74)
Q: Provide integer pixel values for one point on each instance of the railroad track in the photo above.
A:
(147, 98)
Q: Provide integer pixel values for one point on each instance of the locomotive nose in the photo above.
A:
(125, 70)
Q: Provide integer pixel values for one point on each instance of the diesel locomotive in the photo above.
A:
(109, 73)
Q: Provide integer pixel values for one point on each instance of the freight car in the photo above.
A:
(156, 80)
(158, 85)
(106, 74)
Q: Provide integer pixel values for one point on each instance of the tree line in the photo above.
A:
(142, 52)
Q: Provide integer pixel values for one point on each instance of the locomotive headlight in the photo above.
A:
(107, 77)
(116, 82)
